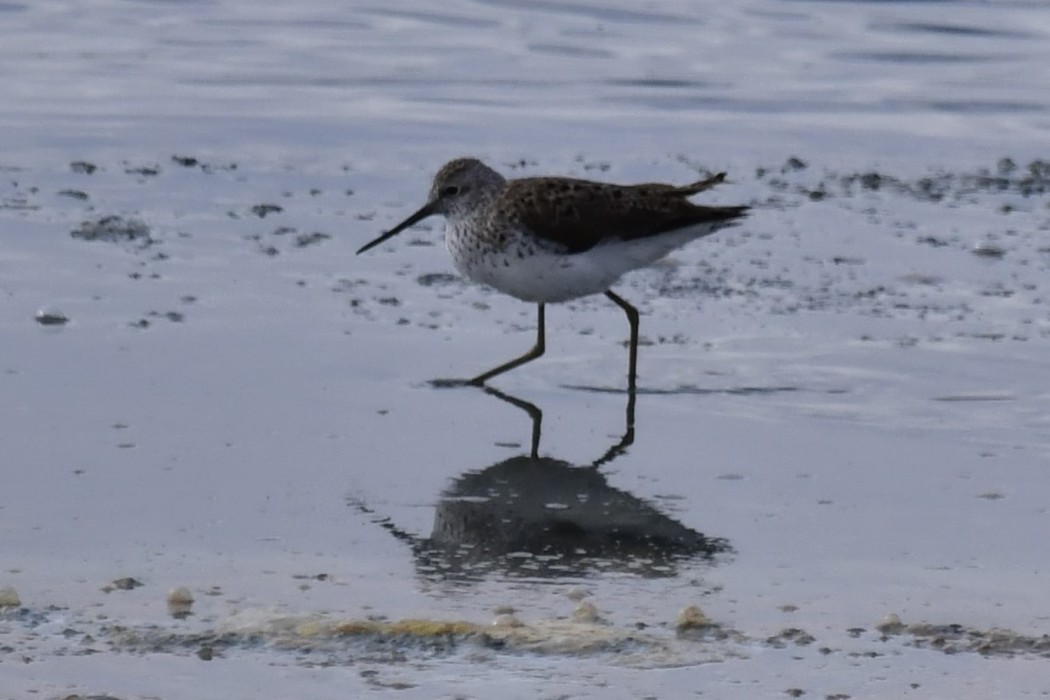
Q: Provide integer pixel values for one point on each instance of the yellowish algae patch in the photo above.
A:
(547, 636)
(410, 627)
(572, 636)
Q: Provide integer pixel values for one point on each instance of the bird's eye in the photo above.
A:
(449, 191)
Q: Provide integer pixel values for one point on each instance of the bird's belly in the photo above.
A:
(535, 271)
(536, 277)
(527, 271)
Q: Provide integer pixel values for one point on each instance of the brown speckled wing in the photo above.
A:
(579, 214)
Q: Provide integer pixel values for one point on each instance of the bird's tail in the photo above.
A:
(701, 185)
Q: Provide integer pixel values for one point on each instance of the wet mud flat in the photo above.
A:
(308, 208)
(221, 343)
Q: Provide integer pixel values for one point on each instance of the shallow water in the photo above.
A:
(845, 402)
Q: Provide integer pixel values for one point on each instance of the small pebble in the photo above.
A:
(586, 612)
(180, 602)
(51, 317)
(9, 597)
(180, 595)
(988, 250)
(891, 624)
(691, 618)
(506, 620)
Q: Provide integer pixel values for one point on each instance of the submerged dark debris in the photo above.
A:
(51, 317)
(114, 229)
(304, 240)
(1006, 177)
(957, 638)
(82, 166)
(263, 210)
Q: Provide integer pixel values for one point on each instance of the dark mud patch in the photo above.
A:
(83, 167)
(790, 636)
(115, 229)
(147, 321)
(304, 240)
(439, 279)
(287, 237)
(1006, 176)
(264, 210)
(194, 162)
(957, 638)
(22, 198)
(142, 170)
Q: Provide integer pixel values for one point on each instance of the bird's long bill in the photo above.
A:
(427, 210)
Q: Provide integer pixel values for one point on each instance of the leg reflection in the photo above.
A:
(536, 415)
(532, 409)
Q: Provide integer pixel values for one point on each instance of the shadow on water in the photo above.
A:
(535, 516)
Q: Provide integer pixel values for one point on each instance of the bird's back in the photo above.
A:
(580, 214)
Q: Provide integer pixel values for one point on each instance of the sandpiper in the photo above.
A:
(551, 239)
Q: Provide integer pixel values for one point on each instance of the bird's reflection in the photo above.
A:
(544, 517)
